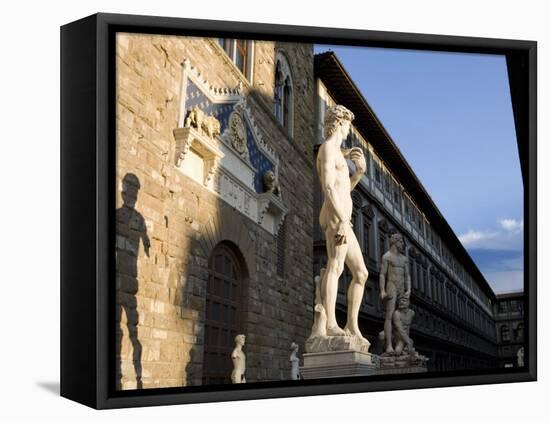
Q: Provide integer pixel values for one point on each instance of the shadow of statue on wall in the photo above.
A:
(130, 229)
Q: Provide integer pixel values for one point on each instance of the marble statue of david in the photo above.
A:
(335, 220)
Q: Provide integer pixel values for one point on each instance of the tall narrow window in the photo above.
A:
(377, 174)
(278, 93)
(281, 237)
(283, 95)
(504, 333)
(412, 272)
(241, 54)
(287, 100)
(518, 332)
(369, 246)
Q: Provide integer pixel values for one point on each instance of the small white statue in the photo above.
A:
(520, 355)
(294, 362)
(239, 360)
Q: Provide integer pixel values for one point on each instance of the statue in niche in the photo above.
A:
(271, 184)
(239, 360)
(335, 220)
(198, 119)
(294, 362)
(395, 282)
(520, 355)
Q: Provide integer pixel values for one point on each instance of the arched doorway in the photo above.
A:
(226, 275)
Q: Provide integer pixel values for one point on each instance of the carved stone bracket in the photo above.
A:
(190, 140)
(211, 168)
(271, 207)
(368, 211)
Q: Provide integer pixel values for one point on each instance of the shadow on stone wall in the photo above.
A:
(130, 229)
(193, 372)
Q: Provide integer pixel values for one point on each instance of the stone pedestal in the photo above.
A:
(318, 344)
(401, 364)
(337, 356)
(337, 364)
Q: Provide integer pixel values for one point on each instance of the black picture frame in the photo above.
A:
(87, 204)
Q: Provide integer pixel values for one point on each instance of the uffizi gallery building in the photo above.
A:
(217, 217)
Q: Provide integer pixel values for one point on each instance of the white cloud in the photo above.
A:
(512, 225)
(509, 235)
(472, 237)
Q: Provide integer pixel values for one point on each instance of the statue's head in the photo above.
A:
(240, 340)
(338, 118)
(130, 188)
(397, 240)
(403, 302)
(294, 347)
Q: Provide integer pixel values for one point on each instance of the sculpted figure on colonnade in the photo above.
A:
(335, 220)
(520, 355)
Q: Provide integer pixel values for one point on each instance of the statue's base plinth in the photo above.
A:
(337, 364)
(321, 344)
(401, 364)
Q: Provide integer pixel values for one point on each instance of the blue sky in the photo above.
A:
(451, 116)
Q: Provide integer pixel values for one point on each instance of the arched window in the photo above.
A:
(223, 312)
(283, 97)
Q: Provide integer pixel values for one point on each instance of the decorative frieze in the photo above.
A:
(221, 162)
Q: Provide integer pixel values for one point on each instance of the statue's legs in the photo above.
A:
(356, 265)
(329, 283)
(390, 308)
(399, 346)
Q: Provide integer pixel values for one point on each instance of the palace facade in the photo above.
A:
(214, 207)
